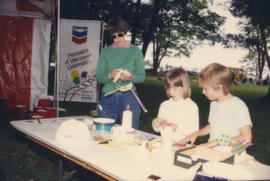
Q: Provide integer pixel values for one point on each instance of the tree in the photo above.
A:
(147, 36)
(250, 38)
(180, 25)
(257, 14)
(174, 26)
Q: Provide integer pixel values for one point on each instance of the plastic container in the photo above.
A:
(37, 108)
(20, 111)
(43, 103)
(35, 115)
(51, 112)
(103, 127)
(43, 113)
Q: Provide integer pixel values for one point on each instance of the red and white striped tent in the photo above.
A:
(25, 28)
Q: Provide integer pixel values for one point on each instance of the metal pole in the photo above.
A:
(100, 48)
(57, 59)
(60, 170)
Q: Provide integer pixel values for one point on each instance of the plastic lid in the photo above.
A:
(104, 120)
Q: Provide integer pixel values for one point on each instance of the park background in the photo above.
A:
(21, 159)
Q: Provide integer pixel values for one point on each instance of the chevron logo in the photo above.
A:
(79, 34)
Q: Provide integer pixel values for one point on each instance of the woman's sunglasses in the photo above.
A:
(117, 35)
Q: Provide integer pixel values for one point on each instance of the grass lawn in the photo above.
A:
(21, 159)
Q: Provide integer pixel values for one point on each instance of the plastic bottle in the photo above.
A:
(127, 119)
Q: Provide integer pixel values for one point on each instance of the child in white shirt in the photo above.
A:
(179, 111)
(228, 114)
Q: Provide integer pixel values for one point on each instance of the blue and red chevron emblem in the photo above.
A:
(79, 34)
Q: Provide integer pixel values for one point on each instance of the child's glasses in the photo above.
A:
(119, 35)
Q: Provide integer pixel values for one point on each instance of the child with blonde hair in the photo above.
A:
(228, 114)
(179, 111)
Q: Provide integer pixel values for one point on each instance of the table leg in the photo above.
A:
(84, 165)
(60, 170)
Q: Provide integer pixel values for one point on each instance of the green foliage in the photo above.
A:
(174, 26)
(181, 25)
(255, 31)
(257, 11)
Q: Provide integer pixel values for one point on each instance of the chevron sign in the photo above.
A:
(79, 34)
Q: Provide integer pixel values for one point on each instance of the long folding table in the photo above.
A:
(113, 162)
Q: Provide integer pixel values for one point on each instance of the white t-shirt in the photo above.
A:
(183, 112)
(227, 117)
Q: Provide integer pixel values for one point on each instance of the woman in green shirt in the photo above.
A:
(121, 55)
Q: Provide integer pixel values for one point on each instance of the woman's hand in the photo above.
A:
(125, 77)
(113, 73)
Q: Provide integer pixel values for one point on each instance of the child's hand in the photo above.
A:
(191, 138)
(210, 144)
(173, 125)
(157, 122)
(169, 124)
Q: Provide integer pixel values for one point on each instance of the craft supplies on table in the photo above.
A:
(134, 160)
(188, 157)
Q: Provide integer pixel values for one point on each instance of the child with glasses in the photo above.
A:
(228, 114)
(119, 56)
(178, 112)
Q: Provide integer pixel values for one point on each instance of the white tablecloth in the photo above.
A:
(127, 163)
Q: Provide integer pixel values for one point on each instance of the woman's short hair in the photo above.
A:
(214, 75)
(116, 24)
(178, 78)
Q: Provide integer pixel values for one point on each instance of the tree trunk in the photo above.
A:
(266, 55)
(155, 44)
(261, 60)
(135, 22)
(149, 33)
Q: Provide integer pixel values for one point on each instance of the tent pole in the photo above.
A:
(57, 58)
(100, 48)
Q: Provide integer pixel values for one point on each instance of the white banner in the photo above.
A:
(78, 56)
